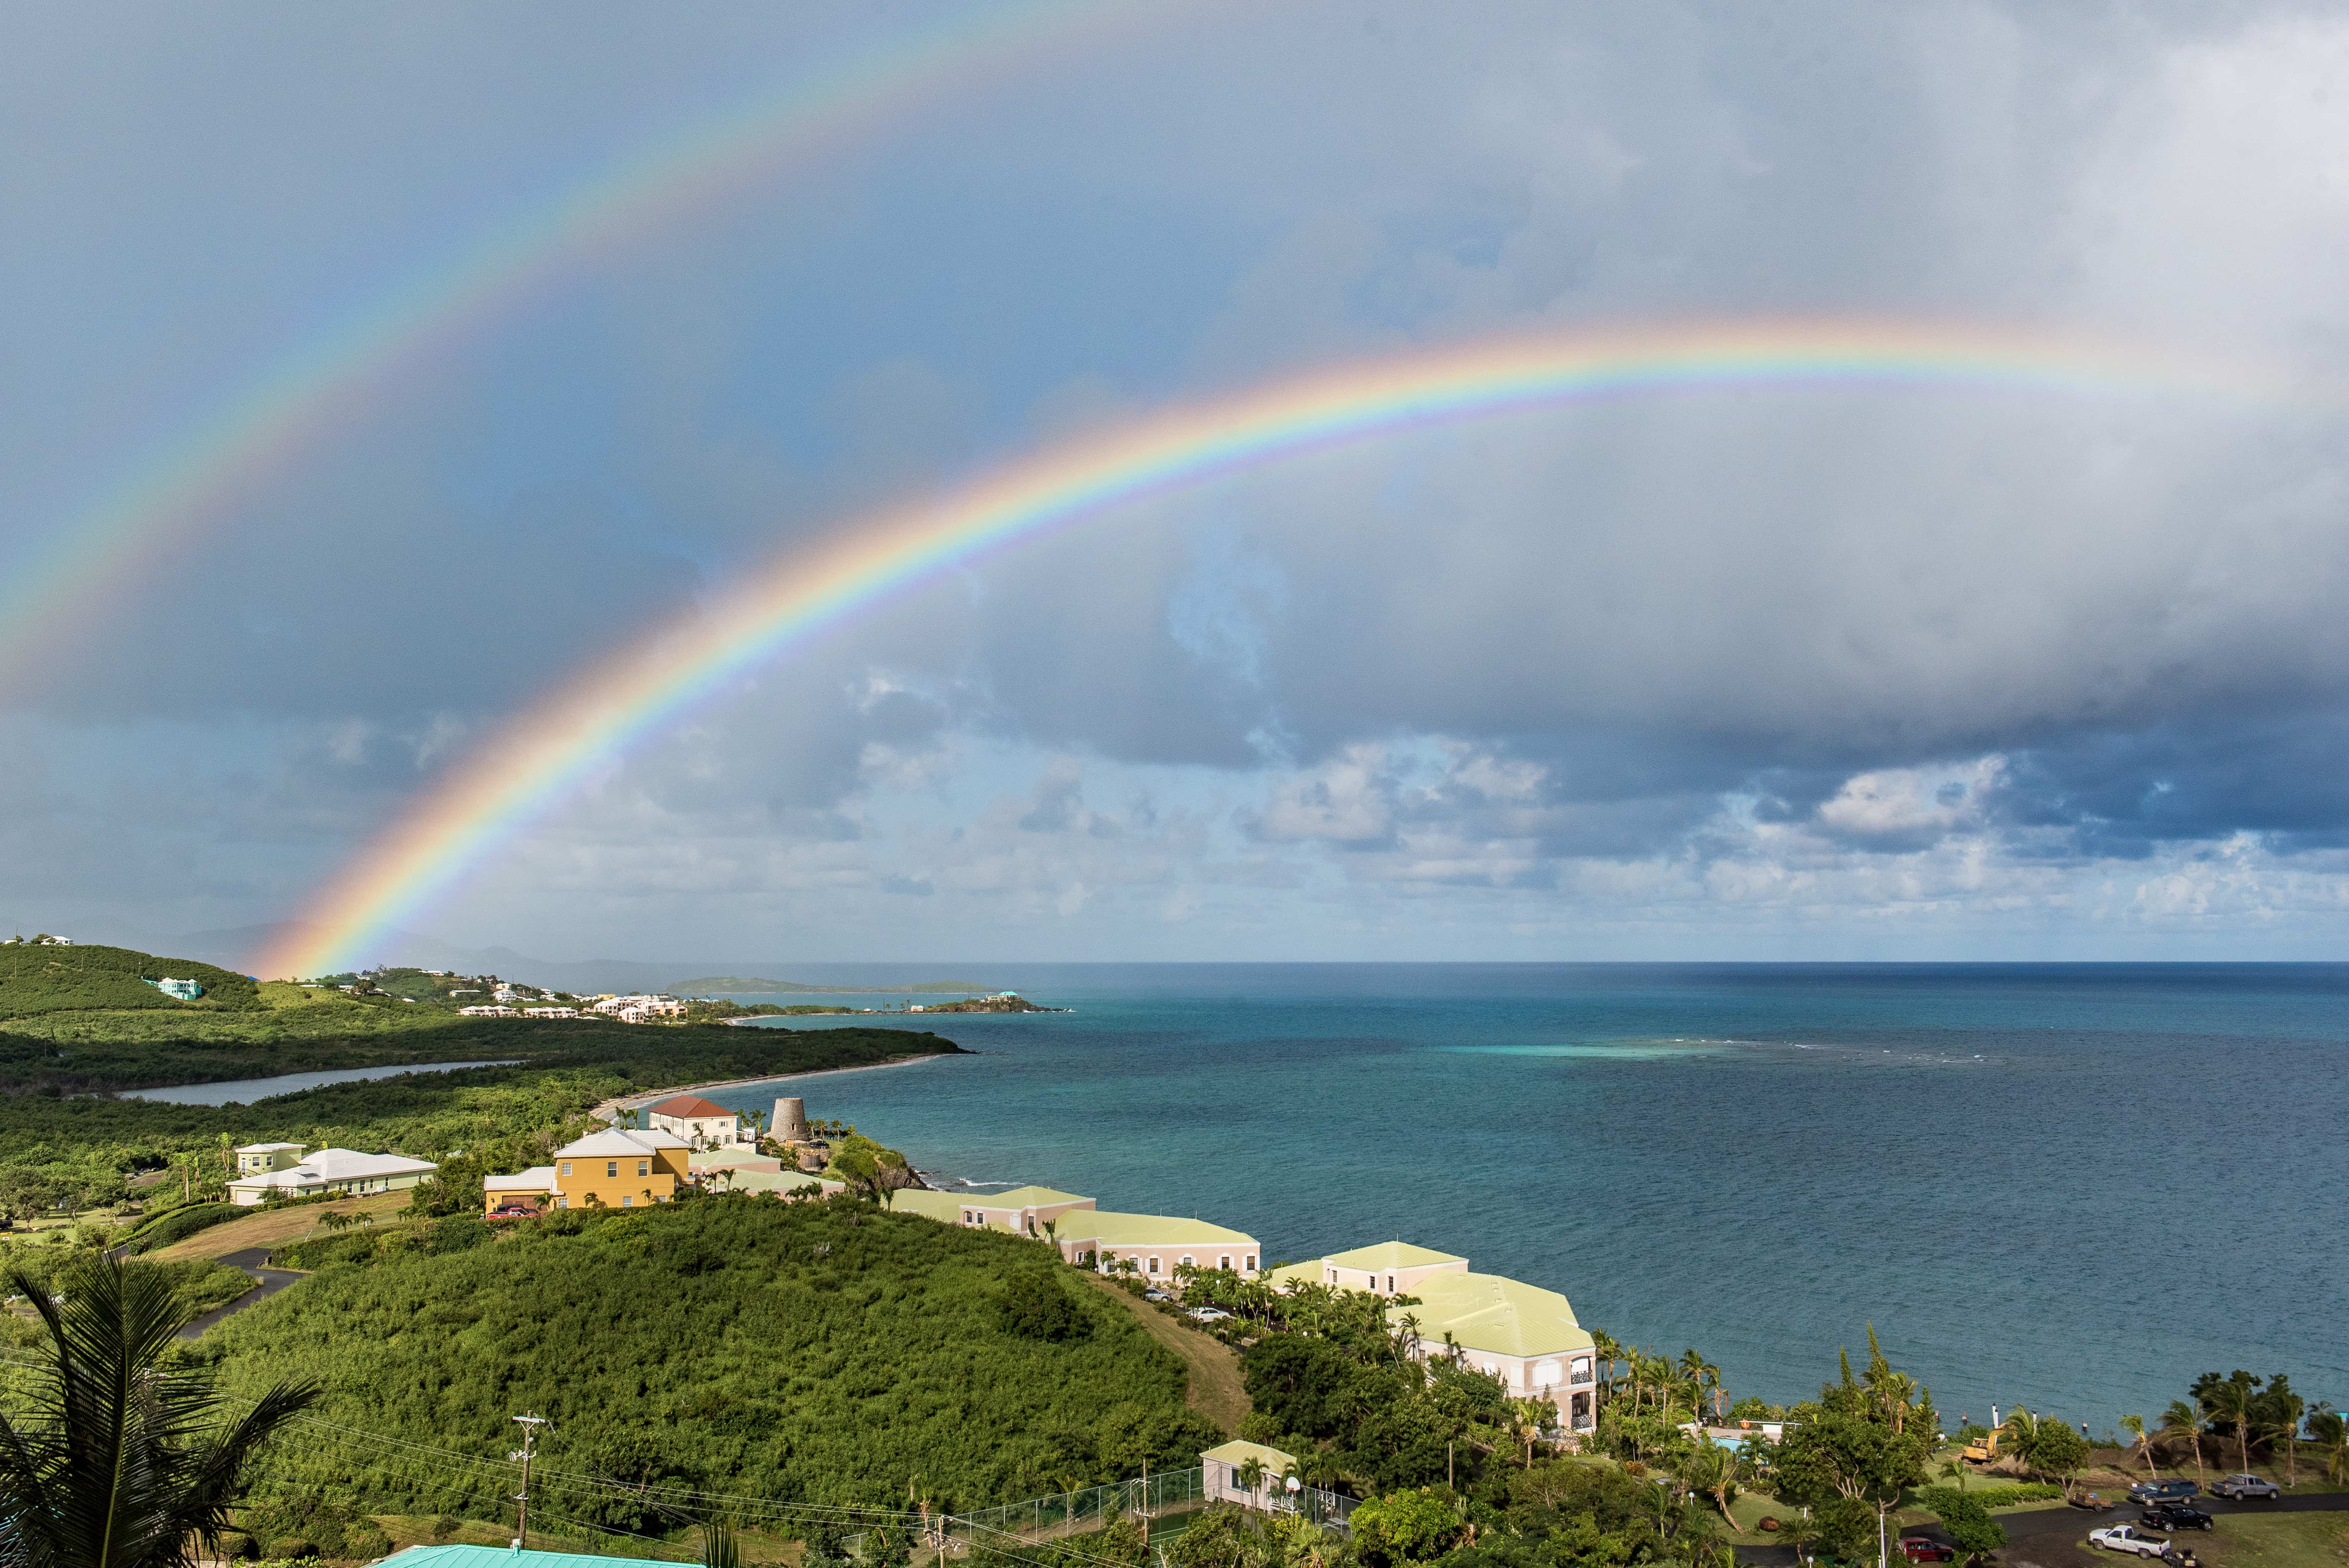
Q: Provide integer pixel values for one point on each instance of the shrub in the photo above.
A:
(292, 1548)
(1033, 1306)
(1405, 1527)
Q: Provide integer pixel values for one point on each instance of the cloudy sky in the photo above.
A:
(1800, 672)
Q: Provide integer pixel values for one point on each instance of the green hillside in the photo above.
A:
(38, 979)
(828, 1353)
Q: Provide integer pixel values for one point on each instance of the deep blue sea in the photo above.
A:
(2069, 1186)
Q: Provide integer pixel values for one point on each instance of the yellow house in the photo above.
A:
(615, 1169)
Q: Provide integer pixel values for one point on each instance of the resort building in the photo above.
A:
(700, 1123)
(1522, 1334)
(489, 1012)
(1026, 1210)
(331, 1172)
(255, 1158)
(1155, 1244)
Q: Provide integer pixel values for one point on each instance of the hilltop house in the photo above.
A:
(618, 1168)
(700, 1123)
(1223, 1469)
(1522, 1334)
(252, 1157)
(336, 1171)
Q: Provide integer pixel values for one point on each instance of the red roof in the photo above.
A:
(690, 1105)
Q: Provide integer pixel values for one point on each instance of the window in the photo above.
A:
(561, 1202)
(1251, 1263)
(1153, 1265)
(1545, 1375)
(1389, 1285)
(1223, 1263)
(611, 1168)
(968, 1218)
(643, 1167)
(1582, 1368)
(627, 1203)
(1188, 1262)
(566, 1168)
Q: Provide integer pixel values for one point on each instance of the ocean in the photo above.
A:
(2068, 1186)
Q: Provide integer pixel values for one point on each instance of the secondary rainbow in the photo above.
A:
(326, 382)
(527, 764)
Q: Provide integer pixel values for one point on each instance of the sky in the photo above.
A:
(1806, 673)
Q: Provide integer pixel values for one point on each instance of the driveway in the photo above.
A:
(251, 1261)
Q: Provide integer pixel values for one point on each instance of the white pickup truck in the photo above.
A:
(2242, 1486)
(2128, 1538)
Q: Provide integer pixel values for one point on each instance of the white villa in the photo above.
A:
(252, 1157)
(703, 1125)
(336, 1172)
(1525, 1335)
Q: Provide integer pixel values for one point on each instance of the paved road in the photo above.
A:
(2059, 1535)
(251, 1261)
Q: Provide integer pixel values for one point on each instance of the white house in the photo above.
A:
(339, 1171)
(699, 1122)
(255, 1158)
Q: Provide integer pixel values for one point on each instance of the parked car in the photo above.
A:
(1209, 1313)
(511, 1212)
(2243, 1486)
(2094, 1502)
(1925, 1549)
(2176, 1516)
(2128, 1538)
(2163, 1491)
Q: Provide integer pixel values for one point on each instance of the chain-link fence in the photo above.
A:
(1052, 1516)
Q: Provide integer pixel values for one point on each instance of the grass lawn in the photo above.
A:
(1213, 1387)
(2276, 1540)
(275, 1227)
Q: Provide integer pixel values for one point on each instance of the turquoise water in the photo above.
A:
(2071, 1187)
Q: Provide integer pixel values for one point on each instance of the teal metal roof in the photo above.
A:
(499, 1557)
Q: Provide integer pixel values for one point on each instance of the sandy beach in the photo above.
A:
(612, 1107)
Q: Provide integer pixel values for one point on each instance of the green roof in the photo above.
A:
(499, 1557)
(1237, 1453)
(717, 1159)
(1017, 1198)
(931, 1205)
(1486, 1312)
(1116, 1230)
(1295, 1274)
(1391, 1256)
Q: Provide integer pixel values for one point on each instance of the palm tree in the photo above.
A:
(2183, 1420)
(114, 1461)
(2140, 1439)
(2232, 1404)
(2331, 1432)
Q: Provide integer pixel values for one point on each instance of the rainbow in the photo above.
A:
(529, 763)
(332, 378)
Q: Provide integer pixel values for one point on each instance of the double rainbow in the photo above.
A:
(330, 381)
(527, 764)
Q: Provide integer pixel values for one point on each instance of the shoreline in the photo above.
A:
(611, 1108)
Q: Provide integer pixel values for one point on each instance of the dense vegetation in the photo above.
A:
(827, 1353)
(38, 979)
(59, 1148)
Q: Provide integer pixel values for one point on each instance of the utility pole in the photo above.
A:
(530, 1425)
